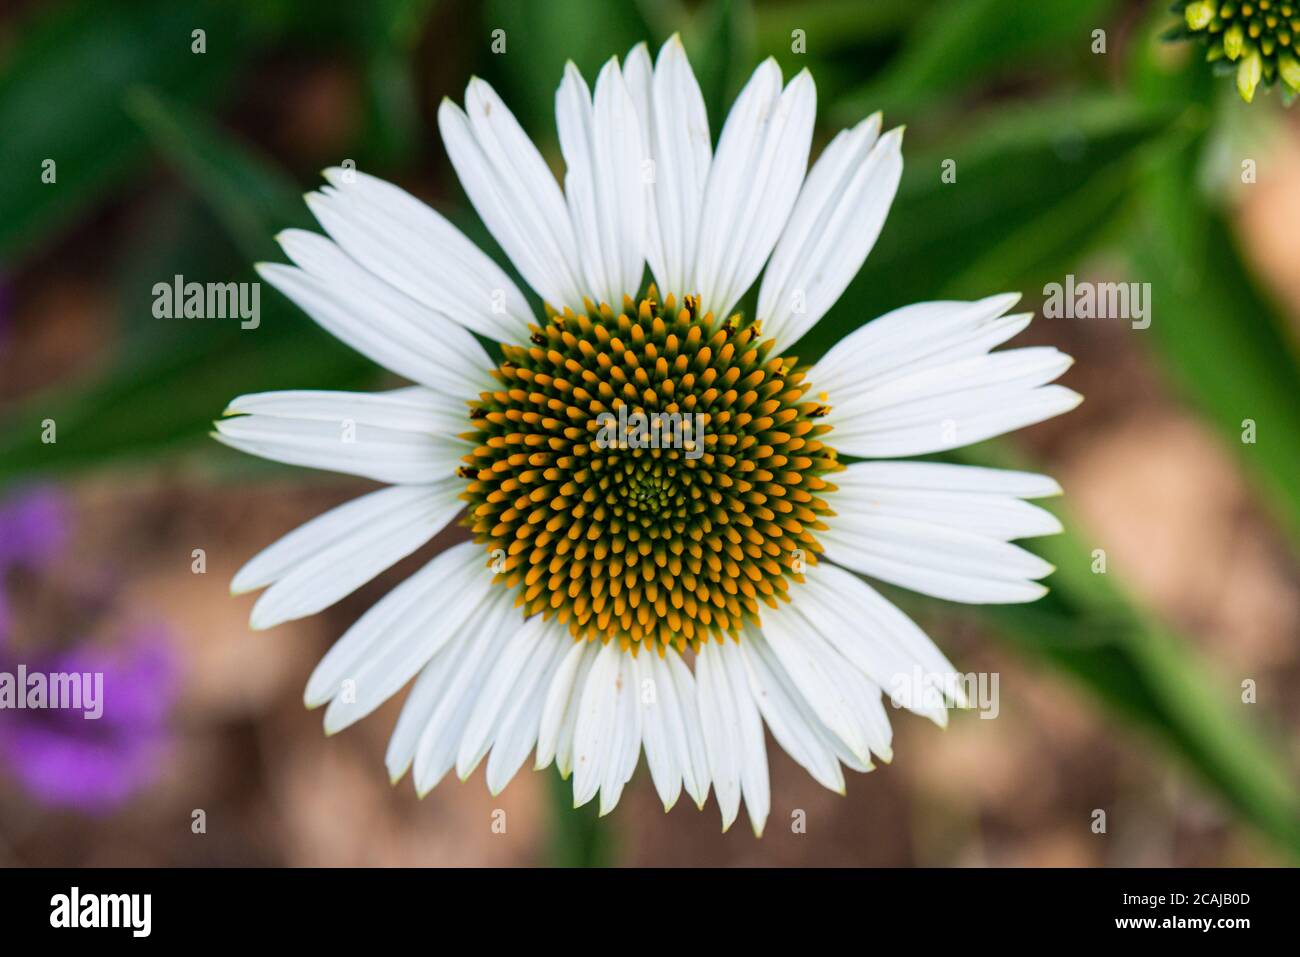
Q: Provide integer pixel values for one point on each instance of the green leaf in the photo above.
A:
(61, 99)
(961, 41)
(580, 837)
(165, 400)
(540, 38)
(172, 384)
(720, 42)
(1225, 342)
(833, 26)
(252, 199)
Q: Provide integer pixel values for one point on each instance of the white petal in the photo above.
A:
(658, 713)
(941, 477)
(753, 183)
(749, 737)
(323, 532)
(406, 626)
(835, 222)
(411, 409)
(898, 341)
(383, 528)
(852, 691)
(794, 726)
(957, 496)
(812, 665)
(508, 681)
(691, 754)
(514, 193)
(596, 730)
(437, 682)
(516, 733)
(415, 249)
(606, 194)
(561, 702)
(376, 319)
(921, 379)
(675, 131)
(935, 560)
(951, 405)
(719, 723)
(878, 639)
(348, 444)
(469, 661)
(564, 742)
(625, 746)
(985, 416)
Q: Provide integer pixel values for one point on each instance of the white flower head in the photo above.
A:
(667, 546)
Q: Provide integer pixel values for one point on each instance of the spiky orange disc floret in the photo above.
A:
(665, 545)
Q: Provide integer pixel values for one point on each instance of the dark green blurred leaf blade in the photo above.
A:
(61, 98)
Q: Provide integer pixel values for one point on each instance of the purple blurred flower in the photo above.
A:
(33, 528)
(59, 756)
(33, 532)
(63, 759)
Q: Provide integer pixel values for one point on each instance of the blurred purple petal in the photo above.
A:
(34, 527)
(64, 759)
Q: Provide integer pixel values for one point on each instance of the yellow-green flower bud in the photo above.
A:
(1249, 73)
(1259, 36)
(1199, 14)
(1288, 68)
(1234, 38)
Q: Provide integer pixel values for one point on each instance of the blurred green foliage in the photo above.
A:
(1059, 151)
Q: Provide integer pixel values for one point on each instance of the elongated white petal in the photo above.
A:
(562, 700)
(346, 445)
(879, 640)
(411, 409)
(835, 222)
(921, 379)
(625, 746)
(691, 755)
(403, 629)
(856, 698)
(794, 725)
(516, 731)
(952, 405)
(437, 683)
(604, 187)
(469, 664)
(936, 560)
(813, 668)
(675, 131)
(376, 319)
(514, 193)
(595, 734)
(658, 714)
(939, 389)
(959, 422)
(754, 784)
(323, 532)
(895, 343)
(888, 477)
(396, 522)
(568, 722)
(719, 724)
(415, 249)
(956, 496)
(753, 183)
(509, 683)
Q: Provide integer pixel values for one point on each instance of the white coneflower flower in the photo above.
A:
(675, 589)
